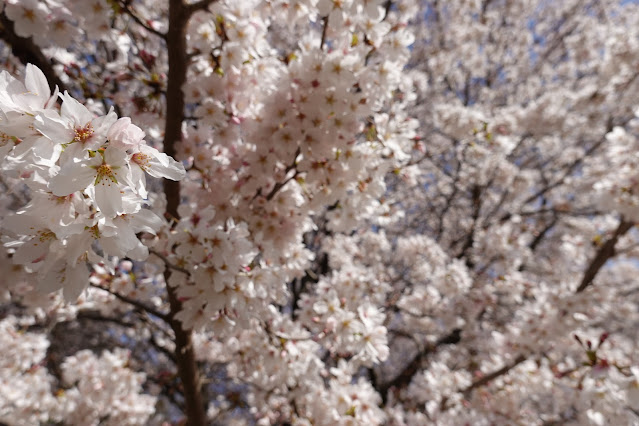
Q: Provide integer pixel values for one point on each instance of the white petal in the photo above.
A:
(146, 221)
(32, 251)
(161, 165)
(50, 124)
(6, 81)
(139, 253)
(138, 180)
(74, 281)
(125, 135)
(121, 243)
(102, 124)
(75, 111)
(73, 177)
(36, 83)
(78, 245)
(114, 156)
(108, 197)
(22, 223)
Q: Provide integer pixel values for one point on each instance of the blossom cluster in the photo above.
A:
(86, 177)
(274, 143)
(390, 212)
(92, 390)
(54, 23)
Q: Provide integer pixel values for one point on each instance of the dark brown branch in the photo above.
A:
(467, 88)
(540, 237)
(96, 316)
(153, 325)
(542, 234)
(568, 172)
(492, 376)
(572, 167)
(133, 302)
(176, 47)
(200, 5)
(28, 52)
(484, 7)
(124, 5)
(404, 378)
(325, 27)
(468, 244)
(156, 344)
(187, 365)
(605, 252)
(278, 186)
(178, 63)
(451, 196)
(483, 381)
(387, 8)
(168, 263)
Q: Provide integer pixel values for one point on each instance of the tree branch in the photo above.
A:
(324, 28)
(412, 367)
(168, 263)
(200, 5)
(280, 185)
(483, 381)
(96, 316)
(451, 196)
(133, 302)
(28, 52)
(125, 8)
(187, 365)
(178, 64)
(470, 239)
(492, 376)
(606, 251)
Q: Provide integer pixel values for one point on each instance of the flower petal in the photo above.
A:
(36, 83)
(73, 177)
(108, 197)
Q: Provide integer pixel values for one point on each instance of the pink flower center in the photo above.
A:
(105, 172)
(83, 134)
(45, 235)
(29, 14)
(141, 160)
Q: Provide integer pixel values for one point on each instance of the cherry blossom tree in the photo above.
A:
(356, 212)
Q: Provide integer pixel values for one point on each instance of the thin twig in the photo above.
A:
(405, 376)
(200, 5)
(29, 53)
(325, 21)
(605, 252)
(125, 8)
(133, 302)
(95, 316)
(280, 185)
(492, 376)
(168, 263)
